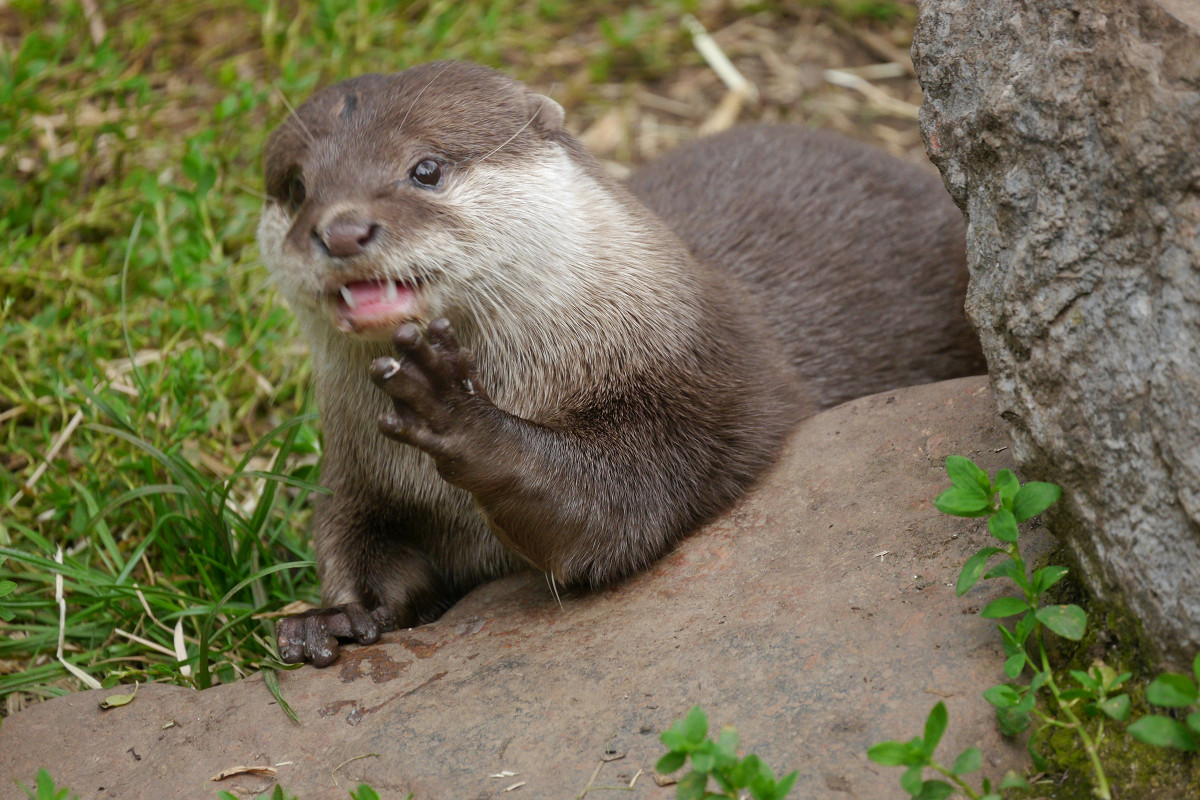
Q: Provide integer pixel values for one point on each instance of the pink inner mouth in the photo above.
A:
(377, 303)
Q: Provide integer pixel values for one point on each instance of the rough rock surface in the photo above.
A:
(1069, 132)
(818, 617)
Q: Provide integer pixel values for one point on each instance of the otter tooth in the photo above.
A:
(348, 296)
(391, 293)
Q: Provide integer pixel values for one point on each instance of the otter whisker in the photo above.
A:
(292, 113)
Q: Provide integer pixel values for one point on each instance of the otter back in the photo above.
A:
(856, 258)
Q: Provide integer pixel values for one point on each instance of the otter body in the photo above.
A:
(517, 362)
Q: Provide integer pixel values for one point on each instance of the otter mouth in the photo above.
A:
(375, 307)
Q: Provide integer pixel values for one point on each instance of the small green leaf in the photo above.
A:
(785, 784)
(1116, 707)
(966, 475)
(1196, 668)
(973, 569)
(1085, 680)
(727, 741)
(1008, 486)
(1068, 621)
(1172, 691)
(1012, 721)
(674, 739)
(1025, 627)
(890, 754)
(755, 767)
(1014, 665)
(911, 781)
(738, 776)
(703, 762)
(759, 768)
(1008, 568)
(1002, 696)
(670, 762)
(1193, 721)
(1046, 577)
(1003, 525)
(116, 700)
(959, 503)
(935, 790)
(1163, 732)
(935, 726)
(695, 725)
(1039, 761)
(765, 772)
(691, 786)
(968, 761)
(1012, 780)
(762, 788)
(1004, 607)
(1011, 645)
(1034, 498)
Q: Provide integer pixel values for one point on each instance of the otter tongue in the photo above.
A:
(369, 301)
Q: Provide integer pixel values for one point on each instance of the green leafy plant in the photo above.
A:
(1082, 708)
(716, 760)
(46, 790)
(1172, 690)
(917, 755)
(1006, 503)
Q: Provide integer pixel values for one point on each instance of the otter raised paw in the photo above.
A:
(438, 404)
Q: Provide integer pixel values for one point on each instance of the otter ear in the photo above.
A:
(547, 113)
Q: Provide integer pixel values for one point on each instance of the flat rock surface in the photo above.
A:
(818, 617)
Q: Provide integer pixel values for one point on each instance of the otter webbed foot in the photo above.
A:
(313, 635)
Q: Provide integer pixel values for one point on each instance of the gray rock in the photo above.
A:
(1069, 133)
(818, 617)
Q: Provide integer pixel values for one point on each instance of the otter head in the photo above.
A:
(412, 196)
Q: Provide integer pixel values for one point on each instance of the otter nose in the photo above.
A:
(345, 235)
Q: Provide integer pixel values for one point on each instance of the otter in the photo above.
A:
(521, 361)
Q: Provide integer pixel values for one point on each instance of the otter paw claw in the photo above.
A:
(312, 636)
(436, 397)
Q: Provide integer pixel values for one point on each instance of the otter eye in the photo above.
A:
(295, 192)
(427, 173)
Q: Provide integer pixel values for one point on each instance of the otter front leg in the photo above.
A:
(372, 580)
(313, 635)
(592, 498)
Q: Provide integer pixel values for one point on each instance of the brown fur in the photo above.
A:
(598, 390)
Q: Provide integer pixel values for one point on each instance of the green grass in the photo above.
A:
(138, 331)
